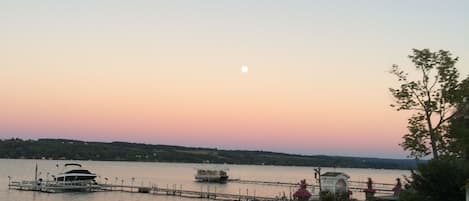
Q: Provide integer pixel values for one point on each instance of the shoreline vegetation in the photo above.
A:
(66, 149)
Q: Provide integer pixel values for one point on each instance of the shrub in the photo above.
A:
(438, 180)
(329, 196)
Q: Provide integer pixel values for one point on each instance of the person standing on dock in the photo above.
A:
(398, 187)
(369, 191)
(369, 185)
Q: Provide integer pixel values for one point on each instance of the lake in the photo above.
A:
(169, 174)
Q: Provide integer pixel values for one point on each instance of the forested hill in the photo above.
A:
(64, 149)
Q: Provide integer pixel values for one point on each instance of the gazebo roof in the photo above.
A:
(334, 174)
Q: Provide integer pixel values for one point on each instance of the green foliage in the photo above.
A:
(123, 151)
(459, 136)
(411, 195)
(329, 196)
(434, 98)
(458, 132)
(438, 180)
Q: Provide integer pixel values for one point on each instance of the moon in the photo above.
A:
(244, 69)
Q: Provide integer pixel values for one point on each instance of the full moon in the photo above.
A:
(244, 69)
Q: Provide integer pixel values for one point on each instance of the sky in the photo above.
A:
(169, 72)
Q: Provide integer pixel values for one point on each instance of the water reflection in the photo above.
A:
(172, 174)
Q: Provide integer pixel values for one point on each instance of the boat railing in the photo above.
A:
(53, 183)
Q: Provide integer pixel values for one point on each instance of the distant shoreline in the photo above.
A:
(66, 149)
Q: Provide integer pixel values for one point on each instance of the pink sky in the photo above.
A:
(169, 72)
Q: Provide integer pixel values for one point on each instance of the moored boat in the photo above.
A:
(211, 175)
(75, 172)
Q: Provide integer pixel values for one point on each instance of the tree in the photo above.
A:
(437, 180)
(433, 97)
(458, 132)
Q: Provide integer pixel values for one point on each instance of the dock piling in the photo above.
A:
(247, 194)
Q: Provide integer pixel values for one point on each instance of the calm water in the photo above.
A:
(168, 174)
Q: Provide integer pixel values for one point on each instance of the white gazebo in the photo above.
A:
(335, 182)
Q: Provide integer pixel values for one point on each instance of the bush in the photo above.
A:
(438, 180)
(329, 196)
(411, 195)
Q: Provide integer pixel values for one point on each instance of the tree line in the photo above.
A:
(64, 149)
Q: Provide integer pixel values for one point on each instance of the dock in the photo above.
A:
(354, 186)
(53, 186)
(58, 187)
(175, 190)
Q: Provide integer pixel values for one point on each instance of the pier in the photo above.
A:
(176, 190)
(58, 187)
(354, 186)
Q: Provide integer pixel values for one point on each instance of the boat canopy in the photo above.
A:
(72, 164)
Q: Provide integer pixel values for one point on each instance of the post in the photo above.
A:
(247, 194)
(317, 176)
(467, 190)
(9, 182)
(35, 177)
(65, 179)
(467, 193)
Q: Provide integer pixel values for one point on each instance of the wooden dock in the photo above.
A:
(355, 186)
(175, 190)
(53, 186)
(269, 183)
(57, 187)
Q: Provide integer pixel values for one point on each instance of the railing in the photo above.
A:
(60, 186)
(360, 186)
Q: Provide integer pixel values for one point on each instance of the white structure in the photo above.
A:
(334, 182)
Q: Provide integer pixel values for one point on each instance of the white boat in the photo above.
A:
(211, 175)
(75, 172)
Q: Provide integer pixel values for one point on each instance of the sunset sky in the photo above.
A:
(169, 72)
